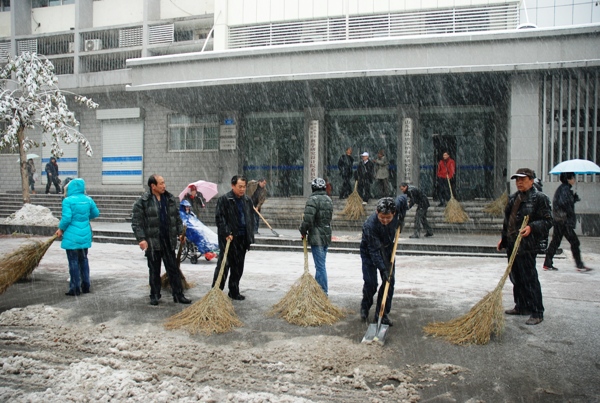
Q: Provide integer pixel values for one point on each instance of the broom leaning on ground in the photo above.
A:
(306, 304)
(354, 208)
(496, 208)
(164, 280)
(454, 212)
(214, 313)
(21, 262)
(485, 318)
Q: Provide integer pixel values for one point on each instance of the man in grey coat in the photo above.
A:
(158, 227)
(316, 225)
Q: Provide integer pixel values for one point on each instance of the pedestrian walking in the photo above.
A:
(563, 214)
(158, 229)
(74, 227)
(31, 175)
(526, 201)
(416, 196)
(345, 164)
(52, 175)
(316, 226)
(235, 223)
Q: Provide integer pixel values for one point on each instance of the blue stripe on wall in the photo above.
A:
(61, 160)
(122, 173)
(122, 159)
(67, 173)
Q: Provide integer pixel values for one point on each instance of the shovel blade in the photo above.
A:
(375, 334)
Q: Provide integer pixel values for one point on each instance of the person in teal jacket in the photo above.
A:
(74, 227)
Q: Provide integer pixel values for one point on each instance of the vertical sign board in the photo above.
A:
(407, 150)
(313, 149)
(68, 164)
(228, 137)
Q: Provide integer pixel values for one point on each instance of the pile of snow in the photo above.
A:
(30, 214)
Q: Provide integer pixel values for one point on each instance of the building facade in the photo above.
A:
(279, 89)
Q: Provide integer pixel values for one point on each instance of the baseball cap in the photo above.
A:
(523, 172)
(365, 154)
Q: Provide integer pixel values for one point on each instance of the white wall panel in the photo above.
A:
(122, 152)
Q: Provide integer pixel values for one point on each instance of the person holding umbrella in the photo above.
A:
(31, 174)
(563, 214)
(195, 199)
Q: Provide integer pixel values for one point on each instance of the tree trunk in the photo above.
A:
(23, 165)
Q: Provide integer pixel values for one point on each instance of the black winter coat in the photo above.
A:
(345, 165)
(365, 172)
(316, 221)
(226, 217)
(537, 205)
(563, 206)
(145, 220)
(378, 241)
(416, 196)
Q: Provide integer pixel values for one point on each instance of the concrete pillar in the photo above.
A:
(524, 132)
(221, 25)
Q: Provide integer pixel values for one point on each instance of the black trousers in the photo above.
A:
(443, 190)
(234, 267)
(421, 218)
(560, 230)
(364, 189)
(370, 273)
(52, 180)
(527, 291)
(346, 188)
(168, 257)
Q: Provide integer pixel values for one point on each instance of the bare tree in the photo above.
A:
(30, 97)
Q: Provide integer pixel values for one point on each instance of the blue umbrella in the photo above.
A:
(576, 166)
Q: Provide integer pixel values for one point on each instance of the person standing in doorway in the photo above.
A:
(526, 201)
(316, 225)
(52, 175)
(365, 172)
(259, 196)
(416, 196)
(563, 214)
(445, 175)
(382, 174)
(74, 227)
(345, 164)
(158, 228)
(235, 223)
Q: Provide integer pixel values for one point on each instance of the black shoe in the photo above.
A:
(534, 321)
(153, 300)
(386, 321)
(414, 236)
(441, 205)
(364, 314)
(181, 299)
(85, 290)
(515, 311)
(428, 235)
(238, 297)
(73, 293)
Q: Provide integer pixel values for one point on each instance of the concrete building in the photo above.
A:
(279, 88)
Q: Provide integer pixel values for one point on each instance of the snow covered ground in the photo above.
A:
(110, 345)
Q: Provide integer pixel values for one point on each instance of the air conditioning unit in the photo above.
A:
(93, 44)
(71, 47)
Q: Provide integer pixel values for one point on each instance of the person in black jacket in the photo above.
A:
(158, 228)
(563, 213)
(52, 176)
(416, 196)
(376, 249)
(316, 224)
(235, 222)
(365, 173)
(527, 201)
(345, 167)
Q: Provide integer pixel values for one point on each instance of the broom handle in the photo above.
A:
(223, 262)
(450, 187)
(263, 218)
(513, 255)
(387, 283)
(181, 246)
(305, 244)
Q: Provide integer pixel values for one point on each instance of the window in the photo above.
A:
(187, 133)
(4, 5)
(50, 3)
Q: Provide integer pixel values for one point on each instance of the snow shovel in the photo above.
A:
(265, 221)
(376, 331)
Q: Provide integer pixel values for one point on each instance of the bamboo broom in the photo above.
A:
(214, 313)
(354, 208)
(496, 208)
(21, 262)
(485, 318)
(454, 212)
(306, 304)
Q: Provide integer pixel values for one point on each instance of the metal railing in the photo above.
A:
(455, 20)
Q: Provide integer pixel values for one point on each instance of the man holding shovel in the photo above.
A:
(376, 246)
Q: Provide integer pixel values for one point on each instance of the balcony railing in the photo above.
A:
(490, 18)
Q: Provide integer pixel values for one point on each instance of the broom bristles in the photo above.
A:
(22, 261)
(214, 313)
(455, 213)
(166, 284)
(306, 304)
(496, 208)
(354, 208)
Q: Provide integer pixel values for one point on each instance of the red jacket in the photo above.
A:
(446, 168)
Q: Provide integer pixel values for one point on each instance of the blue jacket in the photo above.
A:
(77, 211)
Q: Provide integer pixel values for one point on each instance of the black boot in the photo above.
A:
(153, 300)
(181, 299)
(364, 314)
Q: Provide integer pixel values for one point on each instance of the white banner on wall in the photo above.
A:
(313, 149)
(407, 151)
